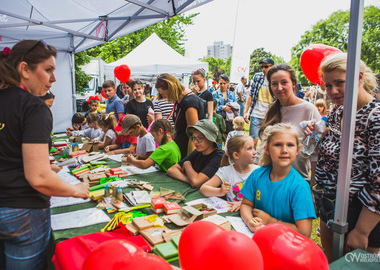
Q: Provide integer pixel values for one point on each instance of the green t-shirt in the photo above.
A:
(166, 155)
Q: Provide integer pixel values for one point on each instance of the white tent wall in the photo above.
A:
(63, 107)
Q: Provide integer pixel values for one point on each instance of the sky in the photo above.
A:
(275, 25)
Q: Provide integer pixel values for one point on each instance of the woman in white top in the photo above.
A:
(288, 108)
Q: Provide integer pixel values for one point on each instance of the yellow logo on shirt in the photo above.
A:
(2, 125)
(258, 194)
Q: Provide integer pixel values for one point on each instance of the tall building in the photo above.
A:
(219, 50)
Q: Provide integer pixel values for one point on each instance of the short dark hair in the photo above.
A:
(93, 101)
(77, 118)
(224, 77)
(108, 84)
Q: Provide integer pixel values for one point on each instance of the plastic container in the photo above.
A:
(310, 142)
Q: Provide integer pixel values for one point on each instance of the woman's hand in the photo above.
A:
(355, 240)
(194, 88)
(55, 168)
(82, 190)
(234, 206)
(225, 188)
(264, 217)
(130, 158)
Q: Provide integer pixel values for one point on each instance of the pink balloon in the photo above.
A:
(311, 59)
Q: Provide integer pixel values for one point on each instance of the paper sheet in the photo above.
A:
(64, 201)
(134, 170)
(67, 177)
(220, 205)
(77, 219)
(239, 226)
(116, 157)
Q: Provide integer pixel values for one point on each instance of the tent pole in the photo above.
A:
(72, 54)
(339, 225)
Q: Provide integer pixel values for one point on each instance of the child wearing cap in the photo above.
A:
(167, 154)
(132, 126)
(201, 164)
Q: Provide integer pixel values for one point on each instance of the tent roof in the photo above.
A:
(154, 56)
(77, 25)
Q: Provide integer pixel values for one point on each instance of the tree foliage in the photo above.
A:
(170, 30)
(334, 32)
(259, 54)
(218, 66)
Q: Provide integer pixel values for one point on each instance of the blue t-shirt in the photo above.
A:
(287, 200)
(115, 105)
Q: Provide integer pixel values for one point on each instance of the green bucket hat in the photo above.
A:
(128, 121)
(206, 127)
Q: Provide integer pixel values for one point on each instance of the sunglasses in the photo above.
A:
(265, 67)
(33, 47)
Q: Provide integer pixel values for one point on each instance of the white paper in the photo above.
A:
(134, 170)
(77, 219)
(239, 226)
(64, 201)
(67, 177)
(116, 157)
(220, 205)
(60, 135)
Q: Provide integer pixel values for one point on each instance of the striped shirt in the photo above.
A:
(164, 107)
(365, 173)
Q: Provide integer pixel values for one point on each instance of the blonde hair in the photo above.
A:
(170, 83)
(234, 144)
(238, 123)
(108, 121)
(339, 62)
(267, 135)
(321, 103)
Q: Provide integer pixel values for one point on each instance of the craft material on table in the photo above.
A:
(134, 170)
(116, 157)
(64, 201)
(77, 219)
(239, 226)
(217, 203)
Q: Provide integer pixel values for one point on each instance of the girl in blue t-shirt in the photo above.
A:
(277, 193)
(166, 154)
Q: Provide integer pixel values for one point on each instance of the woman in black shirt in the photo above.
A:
(188, 109)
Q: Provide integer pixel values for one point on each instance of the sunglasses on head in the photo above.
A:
(35, 46)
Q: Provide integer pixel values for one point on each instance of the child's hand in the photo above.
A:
(75, 126)
(149, 118)
(111, 153)
(225, 188)
(69, 133)
(255, 224)
(234, 206)
(107, 149)
(264, 217)
(130, 158)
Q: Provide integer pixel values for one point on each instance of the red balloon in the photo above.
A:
(103, 94)
(204, 245)
(284, 248)
(311, 59)
(122, 73)
(122, 254)
(97, 97)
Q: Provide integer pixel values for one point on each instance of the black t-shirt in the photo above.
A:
(179, 117)
(205, 96)
(24, 118)
(207, 165)
(140, 109)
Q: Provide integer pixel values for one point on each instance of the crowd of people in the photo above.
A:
(196, 135)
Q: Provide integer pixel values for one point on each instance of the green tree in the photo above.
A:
(334, 32)
(81, 78)
(259, 54)
(216, 66)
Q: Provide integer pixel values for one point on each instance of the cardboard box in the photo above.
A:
(74, 139)
(132, 228)
(158, 202)
(90, 147)
(206, 213)
(171, 208)
(154, 235)
(147, 222)
(185, 216)
(219, 220)
(96, 176)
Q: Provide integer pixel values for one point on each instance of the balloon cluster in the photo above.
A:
(311, 59)
(204, 245)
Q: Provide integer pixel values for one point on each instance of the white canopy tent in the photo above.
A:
(153, 57)
(76, 25)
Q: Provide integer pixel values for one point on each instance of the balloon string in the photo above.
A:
(312, 113)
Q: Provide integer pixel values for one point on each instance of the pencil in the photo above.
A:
(255, 221)
(224, 181)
